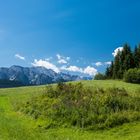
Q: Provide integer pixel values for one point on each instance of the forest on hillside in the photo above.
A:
(123, 61)
(126, 65)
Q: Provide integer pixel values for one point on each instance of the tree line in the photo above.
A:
(7, 83)
(123, 61)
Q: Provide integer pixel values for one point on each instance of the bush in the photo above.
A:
(132, 76)
(76, 105)
(99, 76)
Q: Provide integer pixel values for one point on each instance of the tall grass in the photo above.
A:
(76, 105)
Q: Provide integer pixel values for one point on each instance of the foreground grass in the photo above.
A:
(16, 126)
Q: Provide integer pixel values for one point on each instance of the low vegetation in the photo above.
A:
(69, 105)
(132, 76)
(99, 76)
(15, 125)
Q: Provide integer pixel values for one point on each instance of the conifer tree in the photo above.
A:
(137, 56)
(107, 73)
(111, 69)
(123, 61)
(127, 58)
(116, 67)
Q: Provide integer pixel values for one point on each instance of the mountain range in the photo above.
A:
(35, 75)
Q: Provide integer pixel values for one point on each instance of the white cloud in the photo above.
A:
(19, 57)
(72, 68)
(90, 71)
(48, 59)
(58, 56)
(46, 64)
(98, 64)
(102, 63)
(62, 59)
(117, 50)
(108, 63)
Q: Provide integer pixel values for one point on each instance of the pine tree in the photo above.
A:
(137, 56)
(123, 61)
(109, 71)
(127, 60)
(116, 68)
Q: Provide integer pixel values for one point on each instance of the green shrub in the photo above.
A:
(76, 105)
(132, 76)
(99, 76)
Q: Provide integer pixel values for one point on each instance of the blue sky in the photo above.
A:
(83, 33)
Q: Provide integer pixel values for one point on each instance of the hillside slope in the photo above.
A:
(14, 125)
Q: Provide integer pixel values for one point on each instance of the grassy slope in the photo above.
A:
(14, 125)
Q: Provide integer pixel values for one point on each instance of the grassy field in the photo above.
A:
(17, 126)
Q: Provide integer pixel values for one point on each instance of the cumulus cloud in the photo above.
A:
(48, 59)
(46, 64)
(58, 56)
(62, 59)
(98, 64)
(88, 70)
(117, 50)
(72, 69)
(108, 63)
(18, 56)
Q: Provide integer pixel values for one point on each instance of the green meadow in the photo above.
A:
(15, 125)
